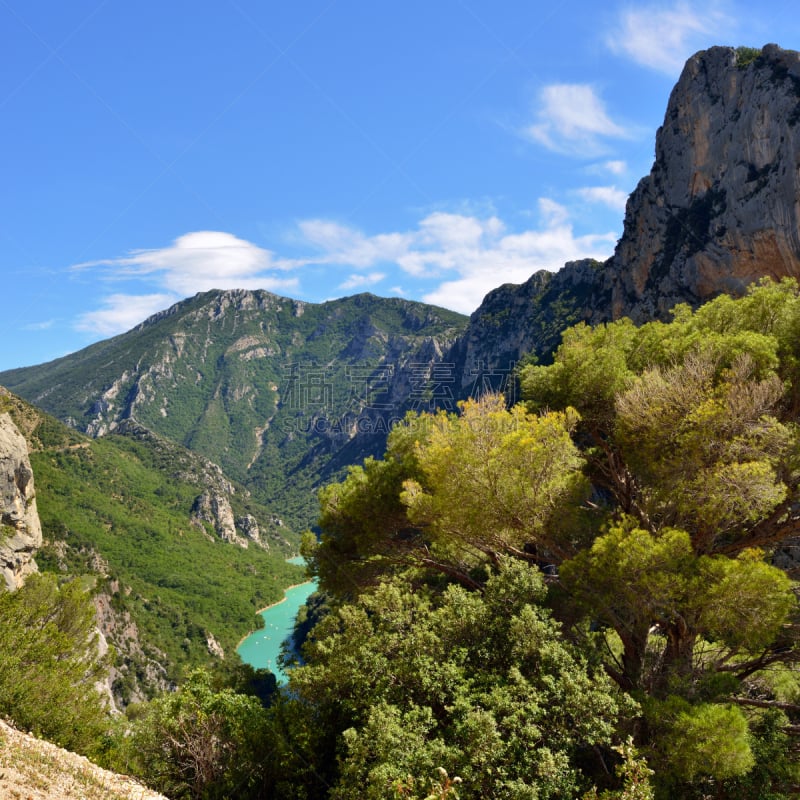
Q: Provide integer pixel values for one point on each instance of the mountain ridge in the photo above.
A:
(273, 390)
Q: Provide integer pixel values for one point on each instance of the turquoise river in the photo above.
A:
(262, 648)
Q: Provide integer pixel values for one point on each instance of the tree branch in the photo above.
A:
(781, 524)
(749, 701)
(746, 668)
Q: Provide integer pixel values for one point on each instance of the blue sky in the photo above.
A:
(429, 149)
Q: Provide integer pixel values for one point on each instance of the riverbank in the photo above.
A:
(262, 649)
(272, 605)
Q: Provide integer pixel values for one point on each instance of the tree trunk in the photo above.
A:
(634, 644)
(678, 654)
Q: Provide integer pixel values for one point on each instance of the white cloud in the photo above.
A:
(39, 326)
(194, 262)
(445, 242)
(663, 38)
(606, 195)
(513, 258)
(121, 312)
(553, 214)
(202, 260)
(356, 281)
(572, 119)
(467, 255)
(615, 167)
(341, 244)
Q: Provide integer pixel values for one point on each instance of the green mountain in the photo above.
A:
(282, 394)
(122, 511)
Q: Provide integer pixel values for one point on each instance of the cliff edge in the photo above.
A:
(719, 210)
(20, 531)
(721, 206)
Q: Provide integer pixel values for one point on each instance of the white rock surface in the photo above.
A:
(20, 530)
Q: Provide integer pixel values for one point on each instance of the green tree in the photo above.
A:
(404, 683)
(656, 468)
(453, 494)
(50, 664)
(200, 742)
(690, 444)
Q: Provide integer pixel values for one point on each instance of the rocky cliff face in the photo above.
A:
(719, 209)
(516, 320)
(20, 531)
(721, 206)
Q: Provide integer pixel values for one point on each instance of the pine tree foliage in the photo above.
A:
(655, 469)
(480, 685)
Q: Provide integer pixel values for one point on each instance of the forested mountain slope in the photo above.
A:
(281, 394)
(122, 512)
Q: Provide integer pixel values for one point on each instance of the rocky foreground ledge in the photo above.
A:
(32, 769)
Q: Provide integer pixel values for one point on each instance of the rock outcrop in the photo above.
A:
(719, 210)
(216, 510)
(721, 206)
(20, 531)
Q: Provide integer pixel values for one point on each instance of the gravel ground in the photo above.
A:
(32, 769)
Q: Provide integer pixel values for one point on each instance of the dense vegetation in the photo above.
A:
(50, 661)
(578, 597)
(103, 501)
(116, 512)
(654, 471)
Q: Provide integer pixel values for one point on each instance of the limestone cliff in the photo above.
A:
(719, 209)
(721, 206)
(20, 531)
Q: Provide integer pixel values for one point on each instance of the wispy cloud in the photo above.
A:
(341, 244)
(613, 167)
(199, 261)
(39, 326)
(572, 119)
(357, 281)
(194, 262)
(662, 38)
(609, 196)
(120, 312)
(467, 256)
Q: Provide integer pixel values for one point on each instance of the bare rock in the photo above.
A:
(721, 206)
(20, 530)
(214, 647)
(248, 525)
(216, 509)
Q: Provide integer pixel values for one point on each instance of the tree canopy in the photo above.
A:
(479, 684)
(50, 663)
(655, 470)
